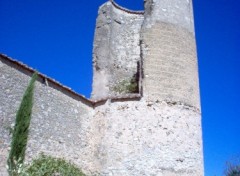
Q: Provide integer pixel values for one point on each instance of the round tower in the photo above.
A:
(169, 52)
(160, 132)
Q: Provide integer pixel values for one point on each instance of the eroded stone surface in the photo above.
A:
(116, 138)
(176, 12)
(59, 125)
(148, 138)
(3, 159)
(116, 50)
(159, 133)
(170, 64)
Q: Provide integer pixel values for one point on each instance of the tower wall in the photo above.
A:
(161, 133)
(169, 52)
(177, 12)
(157, 133)
(148, 138)
(170, 75)
(116, 50)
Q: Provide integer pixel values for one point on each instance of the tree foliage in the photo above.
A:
(47, 165)
(233, 169)
(21, 129)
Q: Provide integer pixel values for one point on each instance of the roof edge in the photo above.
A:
(44, 77)
(67, 90)
(71, 93)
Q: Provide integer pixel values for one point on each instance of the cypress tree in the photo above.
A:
(21, 129)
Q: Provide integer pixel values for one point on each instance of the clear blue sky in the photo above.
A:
(55, 37)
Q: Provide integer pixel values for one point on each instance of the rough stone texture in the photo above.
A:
(59, 126)
(148, 138)
(116, 50)
(3, 159)
(157, 132)
(169, 52)
(177, 12)
(170, 64)
(114, 138)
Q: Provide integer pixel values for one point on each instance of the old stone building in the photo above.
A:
(144, 116)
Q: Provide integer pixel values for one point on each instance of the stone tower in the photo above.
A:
(169, 52)
(144, 117)
(153, 51)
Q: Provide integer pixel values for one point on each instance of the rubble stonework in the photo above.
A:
(116, 50)
(155, 130)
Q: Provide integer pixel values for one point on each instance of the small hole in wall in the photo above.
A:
(131, 5)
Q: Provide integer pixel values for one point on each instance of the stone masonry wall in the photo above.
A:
(116, 50)
(170, 64)
(177, 12)
(169, 52)
(148, 138)
(60, 125)
(155, 133)
(114, 137)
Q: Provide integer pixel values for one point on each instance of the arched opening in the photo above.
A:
(132, 5)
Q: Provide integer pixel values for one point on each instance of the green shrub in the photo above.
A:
(49, 166)
(127, 86)
(21, 128)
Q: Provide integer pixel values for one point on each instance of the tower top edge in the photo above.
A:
(135, 12)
